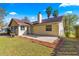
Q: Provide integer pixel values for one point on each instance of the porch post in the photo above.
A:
(61, 29)
(18, 30)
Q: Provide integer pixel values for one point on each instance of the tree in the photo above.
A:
(69, 20)
(2, 15)
(26, 19)
(55, 13)
(49, 11)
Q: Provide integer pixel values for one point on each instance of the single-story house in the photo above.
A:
(19, 27)
(51, 27)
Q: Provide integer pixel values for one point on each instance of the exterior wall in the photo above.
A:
(61, 29)
(14, 24)
(41, 29)
(57, 29)
(22, 32)
(29, 29)
(19, 32)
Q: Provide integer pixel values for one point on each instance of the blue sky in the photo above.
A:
(20, 10)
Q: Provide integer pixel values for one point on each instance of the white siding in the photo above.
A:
(61, 29)
(21, 32)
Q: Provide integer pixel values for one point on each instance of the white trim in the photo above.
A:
(21, 32)
(61, 29)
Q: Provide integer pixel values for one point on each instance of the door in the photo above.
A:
(28, 30)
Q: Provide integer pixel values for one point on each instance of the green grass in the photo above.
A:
(22, 47)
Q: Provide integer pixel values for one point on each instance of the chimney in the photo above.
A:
(39, 17)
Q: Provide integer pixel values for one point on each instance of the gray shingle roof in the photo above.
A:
(58, 19)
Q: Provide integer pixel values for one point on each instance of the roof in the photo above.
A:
(23, 22)
(19, 22)
(58, 19)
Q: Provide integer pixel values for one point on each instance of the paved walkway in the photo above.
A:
(68, 48)
(42, 38)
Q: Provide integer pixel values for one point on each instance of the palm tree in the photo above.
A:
(55, 13)
(49, 11)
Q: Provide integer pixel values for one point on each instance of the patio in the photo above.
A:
(48, 41)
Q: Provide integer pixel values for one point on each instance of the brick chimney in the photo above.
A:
(39, 17)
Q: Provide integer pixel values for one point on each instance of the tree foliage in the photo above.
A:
(69, 20)
(49, 11)
(55, 13)
(2, 15)
(26, 19)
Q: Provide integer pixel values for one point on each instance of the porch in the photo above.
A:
(20, 30)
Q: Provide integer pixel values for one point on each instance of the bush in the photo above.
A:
(8, 31)
(67, 34)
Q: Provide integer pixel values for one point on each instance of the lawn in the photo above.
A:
(22, 47)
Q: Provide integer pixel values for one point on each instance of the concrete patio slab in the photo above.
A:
(49, 41)
(42, 38)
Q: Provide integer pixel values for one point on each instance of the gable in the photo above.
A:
(13, 23)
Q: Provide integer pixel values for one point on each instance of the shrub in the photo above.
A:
(67, 34)
(8, 31)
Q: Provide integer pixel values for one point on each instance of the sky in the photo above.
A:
(20, 10)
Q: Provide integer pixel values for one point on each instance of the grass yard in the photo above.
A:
(22, 47)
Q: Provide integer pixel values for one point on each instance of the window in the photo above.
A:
(22, 27)
(14, 28)
(48, 27)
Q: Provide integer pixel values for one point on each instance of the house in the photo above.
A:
(19, 27)
(52, 26)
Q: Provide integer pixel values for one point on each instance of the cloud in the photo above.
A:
(68, 12)
(68, 4)
(12, 13)
(32, 17)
